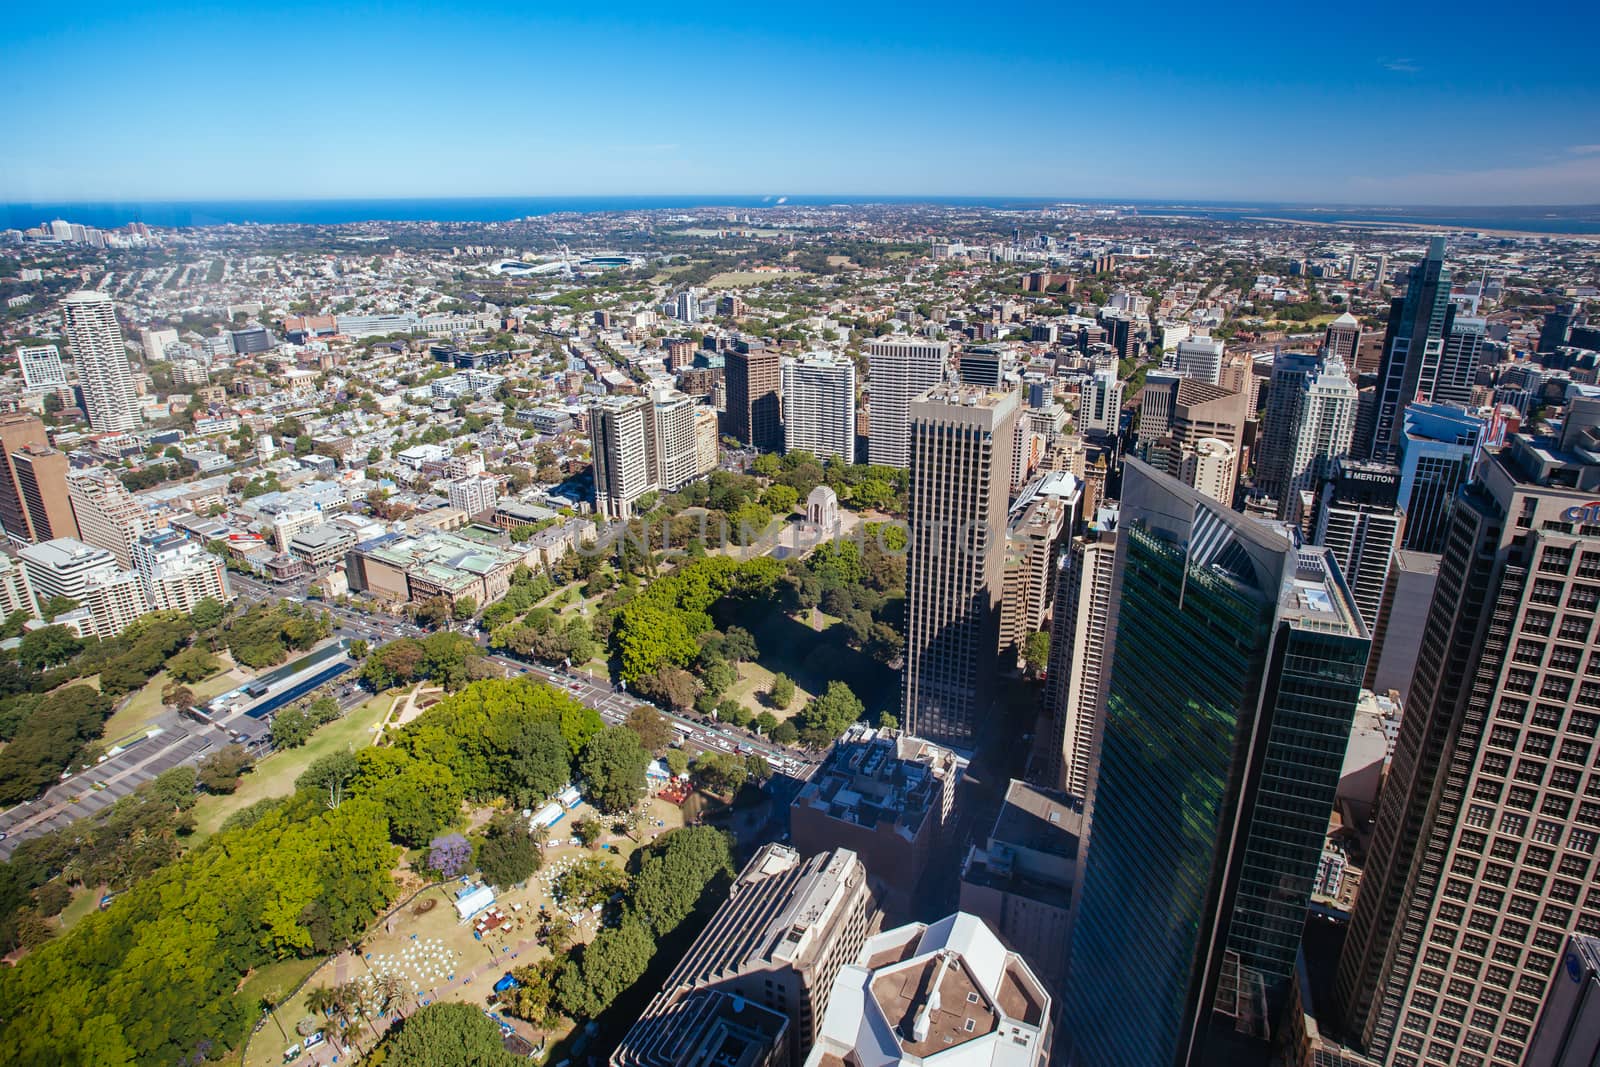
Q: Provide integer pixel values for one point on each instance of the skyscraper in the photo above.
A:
(898, 371)
(1557, 325)
(176, 573)
(819, 406)
(1200, 358)
(755, 413)
(1414, 366)
(1101, 411)
(108, 516)
(1325, 424)
(1483, 851)
(623, 444)
(41, 475)
(1342, 339)
(1458, 364)
(1360, 522)
(1275, 452)
(961, 439)
(18, 430)
(1437, 449)
(1076, 674)
(102, 361)
(1235, 663)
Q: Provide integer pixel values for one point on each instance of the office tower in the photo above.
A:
(898, 371)
(41, 475)
(1076, 675)
(1021, 880)
(1285, 394)
(1235, 663)
(16, 594)
(1038, 429)
(177, 573)
(1437, 449)
(1119, 332)
(705, 439)
(777, 944)
(982, 366)
(622, 438)
(1569, 1027)
(108, 516)
(1046, 509)
(819, 406)
(1413, 348)
(251, 340)
(1458, 363)
(1483, 849)
(960, 451)
(1397, 637)
(1342, 339)
(949, 993)
(1199, 358)
(1101, 411)
(102, 362)
(1359, 520)
(17, 431)
(41, 367)
(1212, 469)
(1325, 425)
(676, 444)
(755, 415)
(1557, 326)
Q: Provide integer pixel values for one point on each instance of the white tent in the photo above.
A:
(471, 901)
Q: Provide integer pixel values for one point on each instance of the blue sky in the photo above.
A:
(1354, 103)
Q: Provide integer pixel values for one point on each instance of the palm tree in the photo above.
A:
(331, 1033)
(321, 1000)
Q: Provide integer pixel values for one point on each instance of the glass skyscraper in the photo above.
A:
(1236, 659)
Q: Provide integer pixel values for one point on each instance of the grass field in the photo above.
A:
(735, 278)
(84, 901)
(146, 703)
(275, 775)
(812, 659)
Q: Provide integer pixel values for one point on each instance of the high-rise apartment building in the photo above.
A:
(1101, 411)
(1482, 860)
(177, 573)
(1074, 681)
(41, 367)
(1342, 339)
(622, 438)
(1359, 520)
(778, 944)
(1416, 366)
(41, 478)
(676, 445)
(819, 406)
(108, 597)
(961, 439)
(1211, 467)
(1045, 511)
(1326, 423)
(755, 412)
(16, 593)
(898, 371)
(1235, 663)
(473, 493)
(18, 431)
(108, 516)
(1437, 450)
(101, 357)
(1276, 445)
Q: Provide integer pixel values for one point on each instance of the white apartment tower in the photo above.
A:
(1325, 427)
(1200, 358)
(102, 361)
(621, 431)
(1075, 679)
(176, 573)
(108, 515)
(1102, 406)
(898, 371)
(41, 367)
(676, 442)
(819, 406)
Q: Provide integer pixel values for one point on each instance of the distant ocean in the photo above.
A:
(1551, 220)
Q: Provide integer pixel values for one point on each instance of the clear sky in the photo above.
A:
(1360, 102)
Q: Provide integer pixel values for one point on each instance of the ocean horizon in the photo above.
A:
(1553, 220)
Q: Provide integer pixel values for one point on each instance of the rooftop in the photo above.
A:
(873, 777)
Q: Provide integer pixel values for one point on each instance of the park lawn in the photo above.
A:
(755, 680)
(275, 775)
(812, 659)
(84, 900)
(734, 278)
(146, 703)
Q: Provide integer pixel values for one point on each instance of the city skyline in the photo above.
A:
(845, 101)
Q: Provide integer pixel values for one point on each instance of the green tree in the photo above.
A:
(720, 772)
(446, 1034)
(48, 646)
(192, 665)
(654, 732)
(465, 608)
(220, 771)
(675, 873)
(508, 855)
(613, 765)
(829, 715)
(785, 733)
(739, 645)
(780, 694)
(607, 966)
(677, 761)
(1036, 652)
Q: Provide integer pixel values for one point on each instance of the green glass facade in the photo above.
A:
(1235, 671)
